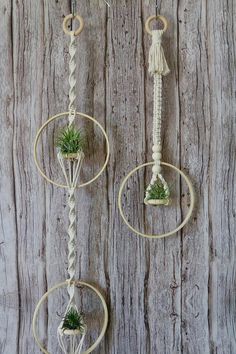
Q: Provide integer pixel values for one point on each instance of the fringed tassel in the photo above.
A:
(157, 60)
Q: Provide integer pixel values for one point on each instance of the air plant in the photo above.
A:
(73, 321)
(157, 191)
(70, 141)
(157, 194)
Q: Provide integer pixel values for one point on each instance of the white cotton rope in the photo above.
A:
(157, 60)
(75, 345)
(157, 67)
(71, 175)
(71, 343)
(71, 246)
(72, 78)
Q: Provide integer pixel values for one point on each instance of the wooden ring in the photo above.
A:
(70, 17)
(158, 17)
(76, 116)
(190, 210)
(61, 285)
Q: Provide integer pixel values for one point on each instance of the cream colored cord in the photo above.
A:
(157, 68)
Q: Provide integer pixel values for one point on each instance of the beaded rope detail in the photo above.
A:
(158, 67)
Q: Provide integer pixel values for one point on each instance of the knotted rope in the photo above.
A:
(74, 347)
(157, 68)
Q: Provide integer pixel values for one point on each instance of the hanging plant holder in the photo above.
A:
(71, 165)
(70, 143)
(157, 192)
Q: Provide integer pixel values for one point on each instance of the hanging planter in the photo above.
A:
(158, 192)
(70, 144)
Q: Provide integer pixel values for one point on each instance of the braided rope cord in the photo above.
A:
(71, 199)
(71, 170)
(72, 79)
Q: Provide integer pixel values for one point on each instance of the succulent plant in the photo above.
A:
(157, 191)
(73, 320)
(70, 141)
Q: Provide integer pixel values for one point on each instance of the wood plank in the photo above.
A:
(164, 279)
(203, 78)
(125, 125)
(9, 276)
(195, 140)
(31, 48)
(222, 73)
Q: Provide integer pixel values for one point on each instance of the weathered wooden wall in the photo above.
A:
(175, 295)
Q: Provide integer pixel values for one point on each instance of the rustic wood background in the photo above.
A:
(165, 296)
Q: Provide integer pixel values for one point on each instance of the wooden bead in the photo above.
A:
(156, 156)
(156, 169)
(156, 148)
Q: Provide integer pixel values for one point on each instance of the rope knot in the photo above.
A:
(157, 37)
(157, 60)
(72, 114)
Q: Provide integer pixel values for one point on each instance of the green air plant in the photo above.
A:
(70, 141)
(157, 192)
(73, 320)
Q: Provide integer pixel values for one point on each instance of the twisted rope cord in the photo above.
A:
(74, 171)
(71, 200)
(157, 67)
(71, 177)
(72, 78)
(74, 343)
(71, 247)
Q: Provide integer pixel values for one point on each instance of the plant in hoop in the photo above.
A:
(73, 320)
(70, 141)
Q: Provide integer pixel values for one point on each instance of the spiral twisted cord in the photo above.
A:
(71, 174)
(72, 78)
(71, 171)
(71, 246)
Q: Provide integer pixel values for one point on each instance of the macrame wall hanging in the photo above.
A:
(70, 154)
(158, 191)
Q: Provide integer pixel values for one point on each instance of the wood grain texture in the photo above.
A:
(175, 295)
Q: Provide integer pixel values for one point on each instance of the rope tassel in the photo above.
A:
(157, 60)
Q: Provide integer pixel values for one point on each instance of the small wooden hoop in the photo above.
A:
(77, 116)
(190, 210)
(158, 17)
(65, 24)
(61, 285)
